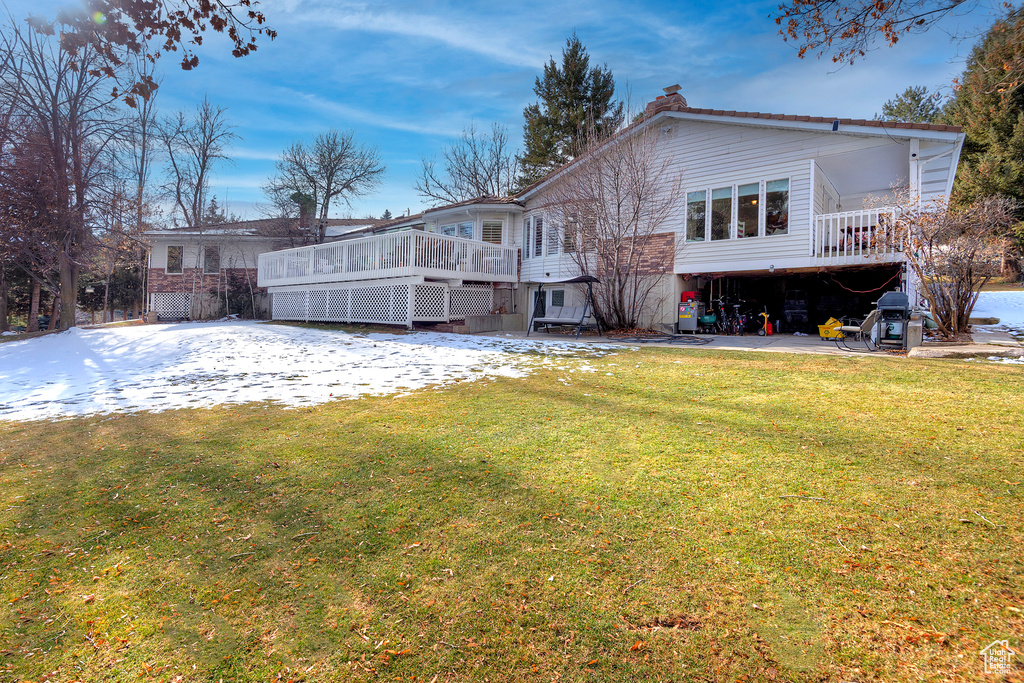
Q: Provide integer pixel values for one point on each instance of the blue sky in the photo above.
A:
(407, 77)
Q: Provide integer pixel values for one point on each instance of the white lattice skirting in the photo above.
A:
(393, 303)
(171, 304)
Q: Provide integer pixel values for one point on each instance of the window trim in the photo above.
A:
(538, 236)
(181, 259)
(733, 227)
(492, 224)
(206, 253)
(527, 237)
(553, 239)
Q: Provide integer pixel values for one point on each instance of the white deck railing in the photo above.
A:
(400, 254)
(855, 237)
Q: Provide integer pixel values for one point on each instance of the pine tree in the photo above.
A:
(387, 215)
(575, 105)
(992, 116)
(914, 105)
(214, 214)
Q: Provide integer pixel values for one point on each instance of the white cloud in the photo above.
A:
(480, 37)
(372, 118)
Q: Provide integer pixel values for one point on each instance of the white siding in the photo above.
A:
(234, 253)
(708, 155)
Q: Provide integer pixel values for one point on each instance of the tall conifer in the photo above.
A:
(576, 103)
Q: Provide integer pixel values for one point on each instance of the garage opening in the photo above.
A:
(798, 301)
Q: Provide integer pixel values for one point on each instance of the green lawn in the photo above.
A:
(673, 515)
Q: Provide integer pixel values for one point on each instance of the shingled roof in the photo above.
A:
(677, 103)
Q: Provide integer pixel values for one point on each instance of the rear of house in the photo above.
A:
(791, 215)
(208, 272)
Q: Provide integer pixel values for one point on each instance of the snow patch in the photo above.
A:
(198, 365)
(1007, 306)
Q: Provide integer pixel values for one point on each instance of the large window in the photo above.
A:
(758, 209)
(448, 229)
(570, 235)
(746, 210)
(696, 215)
(174, 258)
(776, 207)
(211, 259)
(721, 213)
(491, 232)
(527, 238)
(538, 236)
(466, 230)
(554, 239)
(558, 297)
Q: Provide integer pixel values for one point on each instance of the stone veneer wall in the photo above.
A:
(660, 256)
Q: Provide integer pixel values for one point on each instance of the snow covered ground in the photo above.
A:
(1009, 308)
(161, 367)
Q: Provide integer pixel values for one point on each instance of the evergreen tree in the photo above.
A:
(914, 105)
(992, 116)
(387, 215)
(214, 214)
(575, 105)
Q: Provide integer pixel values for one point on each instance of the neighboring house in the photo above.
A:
(787, 213)
(209, 272)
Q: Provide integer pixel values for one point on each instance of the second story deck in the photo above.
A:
(400, 254)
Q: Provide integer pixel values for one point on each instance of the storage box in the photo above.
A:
(830, 330)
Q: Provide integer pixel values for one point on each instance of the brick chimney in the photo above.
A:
(670, 101)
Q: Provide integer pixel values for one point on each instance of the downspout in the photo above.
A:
(145, 279)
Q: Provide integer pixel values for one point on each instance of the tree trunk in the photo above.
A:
(5, 324)
(1010, 266)
(33, 308)
(106, 295)
(55, 307)
(68, 291)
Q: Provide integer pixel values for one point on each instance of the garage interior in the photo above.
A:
(798, 301)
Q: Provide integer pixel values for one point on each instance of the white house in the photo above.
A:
(788, 213)
(205, 272)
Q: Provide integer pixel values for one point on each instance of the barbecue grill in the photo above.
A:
(894, 308)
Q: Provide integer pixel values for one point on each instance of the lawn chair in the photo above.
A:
(861, 332)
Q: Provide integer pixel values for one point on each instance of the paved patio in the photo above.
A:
(989, 342)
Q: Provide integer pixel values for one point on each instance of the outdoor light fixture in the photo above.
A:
(771, 269)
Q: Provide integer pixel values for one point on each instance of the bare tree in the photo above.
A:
(193, 144)
(6, 246)
(116, 31)
(614, 204)
(847, 29)
(59, 101)
(475, 165)
(334, 167)
(953, 253)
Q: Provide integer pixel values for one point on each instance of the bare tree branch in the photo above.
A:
(614, 204)
(333, 167)
(475, 165)
(953, 253)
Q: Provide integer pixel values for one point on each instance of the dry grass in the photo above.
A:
(675, 514)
